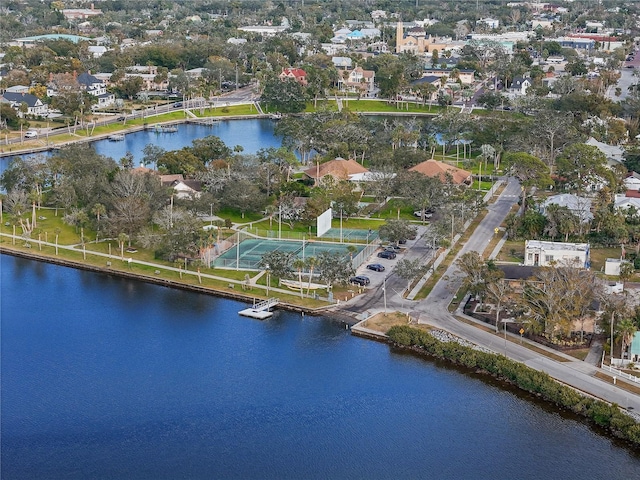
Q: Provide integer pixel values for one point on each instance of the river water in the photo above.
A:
(104, 377)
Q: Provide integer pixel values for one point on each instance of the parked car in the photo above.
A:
(376, 267)
(387, 254)
(393, 248)
(177, 105)
(360, 280)
(30, 134)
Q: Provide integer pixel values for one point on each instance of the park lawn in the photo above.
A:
(47, 228)
(377, 106)
(223, 110)
(188, 277)
(358, 223)
(512, 251)
(484, 186)
(236, 215)
(390, 211)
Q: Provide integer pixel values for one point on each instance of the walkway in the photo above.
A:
(434, 311)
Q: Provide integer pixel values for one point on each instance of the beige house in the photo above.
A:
(338, 169)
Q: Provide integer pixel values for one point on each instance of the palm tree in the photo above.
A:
(626, 330)
(311, 263)
(98, 210)
(299, 264)
(122, 238)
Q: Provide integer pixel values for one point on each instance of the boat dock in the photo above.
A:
(260, 311)
(116, 137)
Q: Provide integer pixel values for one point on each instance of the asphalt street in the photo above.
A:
(434, 311)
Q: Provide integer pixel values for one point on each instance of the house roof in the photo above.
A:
(339, 168)
(434, 168)
(30, 100)
(579, 206)
(296, 72)
(168, 180)
(426, 79)
(87, 79)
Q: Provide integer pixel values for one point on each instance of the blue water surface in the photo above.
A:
(109, 378)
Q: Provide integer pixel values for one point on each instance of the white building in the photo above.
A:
(489, 22)
(544, 254)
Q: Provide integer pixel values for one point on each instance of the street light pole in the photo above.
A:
(384, 291)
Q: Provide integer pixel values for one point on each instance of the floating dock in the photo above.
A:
(116, 137)
(260, 311)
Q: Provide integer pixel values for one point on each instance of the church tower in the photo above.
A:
(399, 36)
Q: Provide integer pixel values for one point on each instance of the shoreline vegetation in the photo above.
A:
(604, 415)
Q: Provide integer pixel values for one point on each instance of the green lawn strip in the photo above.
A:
(358, 223)
(511, 339)
(599, 255)
(580, 353)
(374, 106)
(428, 286)
(222, 110)
(189, 277)
(620, 383)
(512, 251)
(47, 228)
(236, 216)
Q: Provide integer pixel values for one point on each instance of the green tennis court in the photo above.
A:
(249, 252)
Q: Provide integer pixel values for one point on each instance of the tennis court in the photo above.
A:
(251, 251)
(348, 234)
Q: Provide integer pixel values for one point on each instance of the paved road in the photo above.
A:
(434, 311)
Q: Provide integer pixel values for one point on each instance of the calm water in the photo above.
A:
(252, 134)
(108, 378)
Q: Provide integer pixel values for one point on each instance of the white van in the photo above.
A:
(31, 134)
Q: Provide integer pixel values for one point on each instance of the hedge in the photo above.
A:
(526, 378)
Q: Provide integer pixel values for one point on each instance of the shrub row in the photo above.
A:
(526, 378)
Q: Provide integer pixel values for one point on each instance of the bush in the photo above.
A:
(526, 378)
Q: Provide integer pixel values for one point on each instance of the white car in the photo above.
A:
(31, 134)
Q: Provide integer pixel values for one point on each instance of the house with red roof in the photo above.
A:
(441, 170)
(297, 74)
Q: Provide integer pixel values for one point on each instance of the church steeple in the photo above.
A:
(399, 36)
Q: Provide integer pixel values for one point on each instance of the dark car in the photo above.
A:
(387, 254)
(376, 267)
(360, 280)
(177, 105)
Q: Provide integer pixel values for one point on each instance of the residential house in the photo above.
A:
(338, 169)
(492, 23)
(466, 76)
(296, 74)
(441, 170)
(632, 182)
(264, 30)
(545, 254)
(614, 153)
(520, 85)
(96, 87)
(629, 205)
(183, 188)
(34, 106)
(80, 13)
(358, 81)
(579, 206)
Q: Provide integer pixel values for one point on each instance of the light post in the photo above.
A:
(504, 322)
(211, 216)
(384, 291)
(268, 277)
